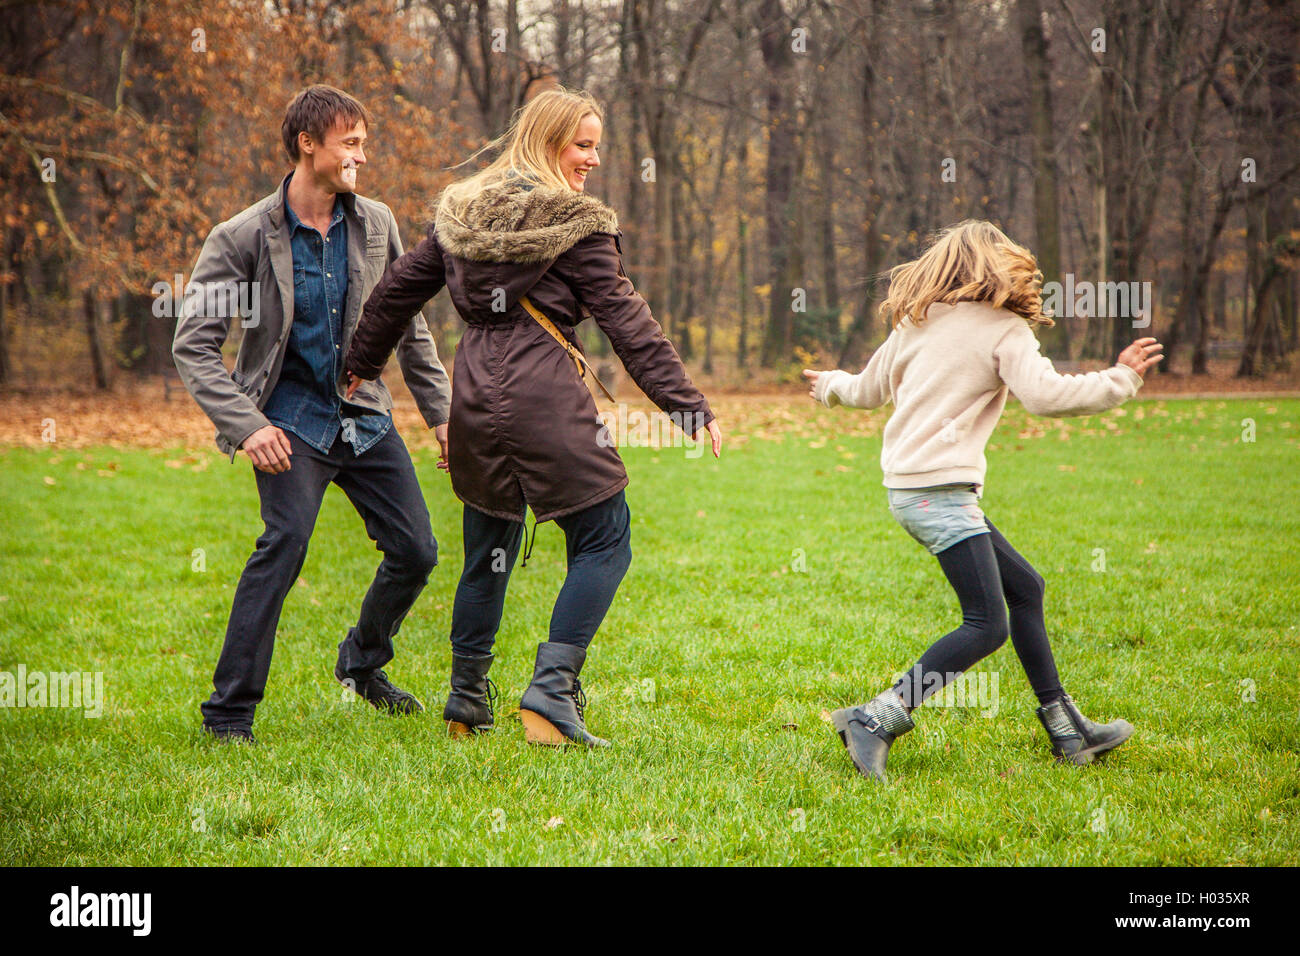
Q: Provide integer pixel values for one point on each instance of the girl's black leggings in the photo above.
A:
(989, 577)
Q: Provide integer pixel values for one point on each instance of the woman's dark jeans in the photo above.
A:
(599, 550)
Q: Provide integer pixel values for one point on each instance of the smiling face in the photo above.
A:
(334, 163)
(580, 157)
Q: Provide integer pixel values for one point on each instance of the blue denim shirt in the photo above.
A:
(305, 401)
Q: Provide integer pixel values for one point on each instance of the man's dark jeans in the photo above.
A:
(598, 547)
(382, 486)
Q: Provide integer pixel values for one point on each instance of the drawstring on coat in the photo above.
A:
(528, 548)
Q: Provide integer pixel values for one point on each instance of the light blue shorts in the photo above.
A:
(938, 517)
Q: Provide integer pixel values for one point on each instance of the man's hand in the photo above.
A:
(440, 432)
(1141, 355)
(268, 449)
(812, 377)
(714, 434)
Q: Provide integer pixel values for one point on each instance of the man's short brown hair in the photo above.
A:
(317, 110)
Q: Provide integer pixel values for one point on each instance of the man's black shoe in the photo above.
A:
(229, 734)
(381, 693)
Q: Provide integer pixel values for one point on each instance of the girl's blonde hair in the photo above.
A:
(530, 148)
(971, 261)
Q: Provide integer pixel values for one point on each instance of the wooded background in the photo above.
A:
(768, 159)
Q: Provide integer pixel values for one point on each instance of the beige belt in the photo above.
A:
(578, 359)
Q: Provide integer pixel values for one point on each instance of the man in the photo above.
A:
(303, 261)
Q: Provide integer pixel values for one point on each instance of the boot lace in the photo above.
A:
(579, 697)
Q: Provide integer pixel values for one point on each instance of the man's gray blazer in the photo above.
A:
(245, 272)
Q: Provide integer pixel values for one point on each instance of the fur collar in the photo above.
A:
(514, 223)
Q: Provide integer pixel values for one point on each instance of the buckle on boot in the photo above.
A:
(872, 724)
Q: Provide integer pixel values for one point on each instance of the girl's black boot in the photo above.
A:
(1075, 738)
(868, 730)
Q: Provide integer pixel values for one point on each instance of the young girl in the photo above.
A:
(962, 317)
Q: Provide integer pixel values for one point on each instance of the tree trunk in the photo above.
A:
(1047, 203)
(778, 58)
(1283, 127)
(830, 297)
(1259, 322)
(95, 340)
(1293, 321)
(1200, 355)
(859, 331)
(1137, 122)
(6, 261)
(5, 371)
(679, 292)
(859, 335)
(630, 134)
(1254, 271)
(1095, 338)
(711, 305)
(1200, 283)
(742, 270)
(1195, 265)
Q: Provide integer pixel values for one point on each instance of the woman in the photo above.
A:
(524, 431)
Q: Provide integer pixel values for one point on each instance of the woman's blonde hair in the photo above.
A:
(529, 150)
(970, 261)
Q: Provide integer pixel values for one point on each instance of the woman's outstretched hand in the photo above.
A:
(1141, 355)
(714, 434)
(812, 382)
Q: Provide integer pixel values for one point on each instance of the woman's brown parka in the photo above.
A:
(524, 428)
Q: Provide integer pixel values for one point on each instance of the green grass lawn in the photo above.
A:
(766, 589)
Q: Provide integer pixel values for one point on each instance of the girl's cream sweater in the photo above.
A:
(948, 379)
